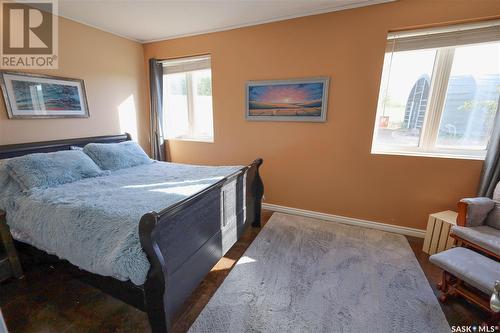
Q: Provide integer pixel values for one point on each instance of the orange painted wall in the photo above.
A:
(112, 68)
(327, 167)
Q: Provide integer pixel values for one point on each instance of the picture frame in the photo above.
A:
(32, 96)
(302, 100)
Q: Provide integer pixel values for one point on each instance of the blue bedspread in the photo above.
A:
(93, 223)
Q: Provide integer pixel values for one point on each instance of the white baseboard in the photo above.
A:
(346, 220)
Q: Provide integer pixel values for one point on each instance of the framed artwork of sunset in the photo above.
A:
(287, 100)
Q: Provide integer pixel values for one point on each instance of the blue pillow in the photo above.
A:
(4, 173)
(114, 156)
(9, 189)
(45, 170)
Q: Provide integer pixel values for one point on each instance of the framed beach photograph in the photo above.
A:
(42, 96)
(287, 100)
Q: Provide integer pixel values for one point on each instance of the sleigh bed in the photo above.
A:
(181, 241)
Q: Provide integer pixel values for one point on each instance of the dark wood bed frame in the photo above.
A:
(180, 254)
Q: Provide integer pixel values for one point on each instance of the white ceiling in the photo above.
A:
(150, 20)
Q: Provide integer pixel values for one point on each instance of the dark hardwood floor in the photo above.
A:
(49, 299)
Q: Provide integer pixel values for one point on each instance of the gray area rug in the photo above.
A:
(306, 275)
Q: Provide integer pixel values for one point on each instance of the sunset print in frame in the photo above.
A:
(43, 96)
(287, 100)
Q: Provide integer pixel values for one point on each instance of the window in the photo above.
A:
(439, 91)
(187, 99)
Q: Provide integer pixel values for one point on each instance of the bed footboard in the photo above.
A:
(186, 240)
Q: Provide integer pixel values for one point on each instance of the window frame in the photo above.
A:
(187, 70)
(427, 145)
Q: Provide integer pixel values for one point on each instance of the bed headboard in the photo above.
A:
(8, 151)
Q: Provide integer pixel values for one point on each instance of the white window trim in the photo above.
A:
(188, 66)
(190, 113)
(440, 153)
(204, 139)
(427, 147)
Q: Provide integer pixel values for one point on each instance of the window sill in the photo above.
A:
(479, 156)
(190, 139)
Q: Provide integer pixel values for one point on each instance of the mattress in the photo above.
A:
(93, 223)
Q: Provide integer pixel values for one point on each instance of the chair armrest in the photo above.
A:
(472, 212)
(462, 213)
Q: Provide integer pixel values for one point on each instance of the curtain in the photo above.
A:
(490, 175)
(156, 110)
